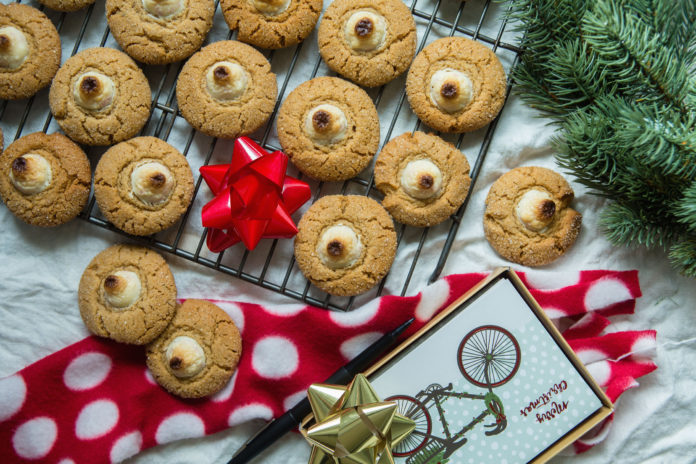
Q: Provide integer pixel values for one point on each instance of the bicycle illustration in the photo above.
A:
(488, 357)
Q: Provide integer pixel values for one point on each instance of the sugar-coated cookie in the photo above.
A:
(66, 5)
(197, 353)
(29, 51)
(528, 219)
(369, 42)
(345, 244)
(329, 128)
(227, 89)
(100, 97)
(143, 185)
(160, 31)
(423, 178)
(456, 85)
(127, 293)
(44, 179)
(271, 23)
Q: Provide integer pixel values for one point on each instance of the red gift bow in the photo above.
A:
(253, 197)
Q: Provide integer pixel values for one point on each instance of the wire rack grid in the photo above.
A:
(272, 264)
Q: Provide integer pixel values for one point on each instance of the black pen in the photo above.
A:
(291, 419)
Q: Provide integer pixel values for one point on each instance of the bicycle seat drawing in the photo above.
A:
(488, 357)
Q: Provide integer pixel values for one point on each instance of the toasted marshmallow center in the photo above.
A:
(14, 48)
(122, 289)
(94, 91)
(535, 209)
(226, 80)
(271, 7)
(365, 31)
(339, 247)
(421, 179)
(164, 9)
(451, 90)
(31, 173)
(185, 357)
(326, 124)
(152, 183)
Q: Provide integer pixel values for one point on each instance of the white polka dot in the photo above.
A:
(35, 438)
(605, 293)
(588, 356)
(551, 280)
(554, 313)
(286, 310)
(432, 298)
(275, 357)
(14, 392)
(234, 311)
(225, 393)
(600, 371)
(360, 316)
(96, 419)
(644, 349)
(354, 346)
(126, 446)
(179, 426)
(87, 371)
(148, 376)
(293, 399)
(66, 461)
(249, 412)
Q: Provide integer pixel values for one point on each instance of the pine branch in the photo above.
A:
(631, 226)
(635, 151)
(683, 256)
(619, 79)
(640, 64)
(685, 209)
(545, 23)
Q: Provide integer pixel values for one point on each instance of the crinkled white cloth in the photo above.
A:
(40, 270)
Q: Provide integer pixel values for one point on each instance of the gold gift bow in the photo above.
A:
(353, 426)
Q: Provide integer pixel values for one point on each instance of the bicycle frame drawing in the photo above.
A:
(488, 357)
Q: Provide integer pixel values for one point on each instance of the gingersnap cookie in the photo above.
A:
(44, 179)
(66, 5)
(456, 85)
(160, 31)
(29, 51)
(369, 42)
(345, 244)
(227, 89)
(528, 219)
(100, 97)
(143, 185)
(197, 353)
(329, 128)
(423, 178)
(271, 23)
(127, 293)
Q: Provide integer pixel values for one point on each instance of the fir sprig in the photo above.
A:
(619, 79)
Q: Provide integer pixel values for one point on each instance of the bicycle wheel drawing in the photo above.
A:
(488, 356)
(414, 410)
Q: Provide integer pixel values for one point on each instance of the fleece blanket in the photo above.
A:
(95, 402)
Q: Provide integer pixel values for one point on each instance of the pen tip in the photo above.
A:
(405, 325)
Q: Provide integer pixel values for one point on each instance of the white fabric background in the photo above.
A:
(40, 270)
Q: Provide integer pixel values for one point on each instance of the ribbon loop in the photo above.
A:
(254, 198)
(353, 426)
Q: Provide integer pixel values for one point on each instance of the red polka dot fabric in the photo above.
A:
(95, 401)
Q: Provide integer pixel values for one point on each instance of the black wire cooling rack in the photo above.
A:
(479, 20)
